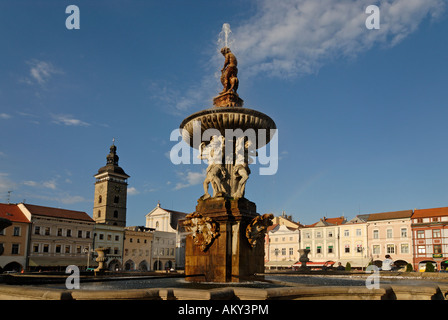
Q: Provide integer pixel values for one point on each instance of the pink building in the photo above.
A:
(390, 233)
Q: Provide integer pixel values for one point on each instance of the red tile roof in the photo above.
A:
(390, 215)
(58, 213)
(433, 212)
(12, 212)
(331, 221)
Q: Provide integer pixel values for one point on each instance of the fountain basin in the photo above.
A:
(222, 118)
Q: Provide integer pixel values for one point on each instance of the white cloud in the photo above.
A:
(5, 116)
(51, 184)
(68, 120)
(132, 191)
(41, 71)
(293, 37)
(30, 183)
(190, 179)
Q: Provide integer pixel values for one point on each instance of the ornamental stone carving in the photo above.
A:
(204, 230)
(258, 227)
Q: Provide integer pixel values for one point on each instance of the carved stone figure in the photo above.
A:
(258, 227)
(216, 173)
(101, 259)
(229, 72)
(204, 230)
(241, 169)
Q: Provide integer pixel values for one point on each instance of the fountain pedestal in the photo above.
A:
(218, 249)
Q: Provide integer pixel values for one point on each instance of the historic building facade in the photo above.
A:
(137, 248)
(58, 237)
(168, 249)
(430, 238)
(323, 240)
(390, 233)
(14, 239)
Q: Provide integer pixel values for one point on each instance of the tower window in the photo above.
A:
(115, 214)
(100, 199)
(99, 213)
(116, 199)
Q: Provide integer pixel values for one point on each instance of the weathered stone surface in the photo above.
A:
(230, 258)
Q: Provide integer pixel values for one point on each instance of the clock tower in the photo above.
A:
(111, 184)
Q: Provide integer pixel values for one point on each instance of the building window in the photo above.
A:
(318, 234)
(15, 248)
(67, 249)
(36, 230)
(359, 248)
(291, 251)
(436, 233)
(376, 249)
(421, 249)
(69, 233)
(437, 248)
(420, 234)
(389, 233)
(276, 251)
(404, 248)
(390, 248)
(319, 249)
(88, 234)
(330, 249)
(35, 248)
(376, 234)
(58, 248)
(330, 234)
(117, 238)
(99, 213)
(100, 199)
(358, 232)
(115, 214)
(283, 251)
(78, 249)
(59, 232)
(16, 231)
(307, 235)
(404, 232)
(101, 236)
(46, 248)
(346, 233)
(47, 231)
(347, 248)
(79, 233)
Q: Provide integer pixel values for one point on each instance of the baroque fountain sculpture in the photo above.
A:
(226, 234)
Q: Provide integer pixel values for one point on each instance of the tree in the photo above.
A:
(429, 267)
(348, 266)
(409, 267)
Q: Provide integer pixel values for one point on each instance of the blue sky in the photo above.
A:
(361, 114)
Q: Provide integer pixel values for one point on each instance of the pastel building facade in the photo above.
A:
(430, 238)
(389, 233)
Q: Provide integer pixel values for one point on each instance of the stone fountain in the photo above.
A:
(226, 234)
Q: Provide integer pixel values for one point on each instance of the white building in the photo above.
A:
(322, 239)
(168, 244)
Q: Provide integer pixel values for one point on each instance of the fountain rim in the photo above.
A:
(222, 110)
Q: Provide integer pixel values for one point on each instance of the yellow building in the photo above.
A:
(137, 248)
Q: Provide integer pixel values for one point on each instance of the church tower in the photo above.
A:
(111, 184)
